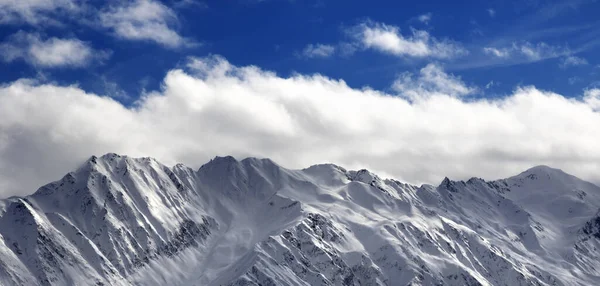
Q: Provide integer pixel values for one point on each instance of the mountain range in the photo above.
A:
(118, 220)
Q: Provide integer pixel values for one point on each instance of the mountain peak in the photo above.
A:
(363, 175)
(254, 222)
(258, 161)
(543, 172)
(220, 160)
(543, 169)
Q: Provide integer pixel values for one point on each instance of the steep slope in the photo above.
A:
(126, 221)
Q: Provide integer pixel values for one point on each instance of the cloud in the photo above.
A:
(144, 20)
(183, 4)
(500, 53)
(573, 80)
(592, 98)
(491, 84)
(215, 108)
(49, 53)
(35, 12)
(572, 61)
(536, 52)
(431, 81)
(527, 51)
(420, 44)
(347, 49)
(318, 51)
(491, 12)
(425, 18)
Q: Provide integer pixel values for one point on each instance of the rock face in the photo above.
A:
(133, 221)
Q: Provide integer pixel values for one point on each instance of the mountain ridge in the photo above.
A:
(118, 220)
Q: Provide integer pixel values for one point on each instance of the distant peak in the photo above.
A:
(258, 160)
(446, 182)
(363, 175)
(542, 170)
(324, 166)
(110, 156)
(452, 186)
(229, 160)
(475, 179)
(181, 166)
(219, 161)
(545, 175)
(223, 159)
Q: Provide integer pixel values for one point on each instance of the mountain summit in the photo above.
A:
(134, 221)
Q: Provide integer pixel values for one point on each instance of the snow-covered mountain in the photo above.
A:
(125, 221)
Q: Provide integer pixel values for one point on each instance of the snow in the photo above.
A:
(133, 221)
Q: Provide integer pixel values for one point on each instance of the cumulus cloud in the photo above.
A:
(214, 108)
(49, 53)
(318, 51)
(527, 51)
(572, 61)
(146, 20)
(35, 12)
(431, 81)
(592, 98)
(388, 39)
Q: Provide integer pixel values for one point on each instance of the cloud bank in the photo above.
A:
(212, 107)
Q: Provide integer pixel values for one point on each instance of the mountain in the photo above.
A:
(134, 221)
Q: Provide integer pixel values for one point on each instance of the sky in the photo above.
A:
(414, 91)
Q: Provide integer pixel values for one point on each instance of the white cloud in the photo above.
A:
(592, 98)
(35, 12)
(425, 18)
(431, 81)
(147, 20)
(420, 44)
(216, 108)
(572, 61)
(532, 52)
(183, 4)
(500, 53)
(318, 51)
(50, 53)
(491, 12)
(527, 51)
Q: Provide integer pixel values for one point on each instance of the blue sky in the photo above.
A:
(273, 34)
(413, 91)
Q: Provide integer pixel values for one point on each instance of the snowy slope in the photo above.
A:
(133, 221)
